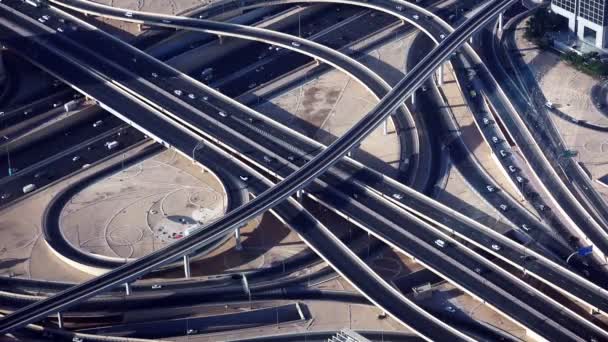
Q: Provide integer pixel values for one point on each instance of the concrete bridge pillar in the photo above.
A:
(2, 70)
(500, 22)
(221, 39)
(440, 75)
(237, 237)
(414, 97)
(127, 289)
(59, 320)
(187, 273)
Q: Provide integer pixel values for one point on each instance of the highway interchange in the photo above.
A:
(184, 114)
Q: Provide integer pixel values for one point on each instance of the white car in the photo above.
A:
(75, 158)
(512, 169)
(399, 8)
(525, 227)
(60, 29)
(46, 17)
(503, 207)
(495, 247)
(490, 188)
(191, 96)
(177, 92)
(450, 309)
(166, 21)
(222, 114)
(440, 243)
(157, 286)
(267, 159)
(520, 179)
(397, 196)
(486, 121)
(244, 178)
(503, 153)
(549, 105)
(129, 14)
(416, 17)
(155, 75)
(495, 140)
(98, 123)
(205, 98)
(295, 44)
(442, 36)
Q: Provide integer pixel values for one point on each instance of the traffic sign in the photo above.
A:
(584, 251)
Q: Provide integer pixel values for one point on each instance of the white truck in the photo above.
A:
(71, 105)
(110, 145)
(29, 188)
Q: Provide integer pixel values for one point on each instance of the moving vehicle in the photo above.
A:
(110, 145)
(29, 188)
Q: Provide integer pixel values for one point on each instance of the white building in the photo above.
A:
(586, 18)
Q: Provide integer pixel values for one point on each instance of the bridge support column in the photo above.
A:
(59, 320)
(2, 70)
(500, 22)
(221, 39)
(317, 62)
(350, 153)
(440, 75)
(187, 273)
(414, 97)
(139, 29)
(127, 289)
(237, 237)
(385, 126)
(299, 195)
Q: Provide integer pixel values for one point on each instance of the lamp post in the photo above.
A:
(8, 156)
(199, 145)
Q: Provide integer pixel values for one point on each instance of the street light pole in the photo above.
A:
(571, 255)
(8, 156)
(200, 144)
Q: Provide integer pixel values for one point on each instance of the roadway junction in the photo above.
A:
(266, 165)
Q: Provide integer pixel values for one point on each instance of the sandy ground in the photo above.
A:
(142, 208)
(23, 250)
(325, 107)
(570, 91)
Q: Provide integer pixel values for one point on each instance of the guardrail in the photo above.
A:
(272, 196)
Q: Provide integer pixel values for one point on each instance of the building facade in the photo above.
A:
(588, 19)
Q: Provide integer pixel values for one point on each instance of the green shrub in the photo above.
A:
(588, 63)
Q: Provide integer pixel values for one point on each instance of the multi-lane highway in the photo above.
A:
(405, 247)
(267, 201)
(386, 188)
